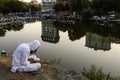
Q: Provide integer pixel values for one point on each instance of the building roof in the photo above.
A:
(64, 13)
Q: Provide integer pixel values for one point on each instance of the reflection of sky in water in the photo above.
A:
(72, 54)
(12, 38)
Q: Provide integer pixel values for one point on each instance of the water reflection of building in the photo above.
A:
(49, 32)
(97, 42)
(67, 21)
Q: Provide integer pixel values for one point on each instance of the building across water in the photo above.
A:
(47, 5)
(34, 1)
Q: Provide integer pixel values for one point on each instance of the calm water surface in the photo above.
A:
(61, 44)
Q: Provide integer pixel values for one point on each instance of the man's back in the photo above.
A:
(20, 55)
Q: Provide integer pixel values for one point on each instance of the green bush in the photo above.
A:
(87, 13)
(96, 74)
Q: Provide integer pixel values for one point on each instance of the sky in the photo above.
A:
(30, 0)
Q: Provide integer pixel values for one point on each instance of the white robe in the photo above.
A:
(20, 57)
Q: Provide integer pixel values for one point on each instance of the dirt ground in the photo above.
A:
(48, 71)
(5, 74)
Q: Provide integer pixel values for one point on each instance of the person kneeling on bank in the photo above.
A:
(22, 60)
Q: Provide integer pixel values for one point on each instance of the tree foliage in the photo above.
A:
(105, 5)
(61, 7)
(7, 6)
(98, 6)
(34, 6)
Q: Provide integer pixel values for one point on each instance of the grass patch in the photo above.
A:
(97, 74)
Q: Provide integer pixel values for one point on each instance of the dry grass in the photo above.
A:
(6, 74)
(48, 71)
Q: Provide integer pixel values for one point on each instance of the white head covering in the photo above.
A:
(34, 45)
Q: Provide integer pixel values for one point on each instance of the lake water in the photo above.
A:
(72, 46)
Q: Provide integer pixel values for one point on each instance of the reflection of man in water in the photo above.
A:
(22, 62)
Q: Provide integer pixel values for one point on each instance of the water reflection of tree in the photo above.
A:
(61, 27)
(14, 26)
(2, 32)
(78, 30)
(103, 31)
(75, 31)
(112, 32)
(31, 20)
(115, 31)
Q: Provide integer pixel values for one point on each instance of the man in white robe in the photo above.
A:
(21, 62)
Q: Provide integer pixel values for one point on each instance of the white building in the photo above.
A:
(34, 1)
(47, 5)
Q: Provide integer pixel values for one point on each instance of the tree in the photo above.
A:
(60, 7)
(34, 6)
(75, 5)
(78, 5)
(103, 6)
(87, 13)
(17, 6)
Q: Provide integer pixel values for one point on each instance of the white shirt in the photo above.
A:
(22, 53)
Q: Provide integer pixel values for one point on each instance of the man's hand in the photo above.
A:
(37, 59)
(32, 60)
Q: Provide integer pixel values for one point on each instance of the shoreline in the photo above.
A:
(48, 71)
